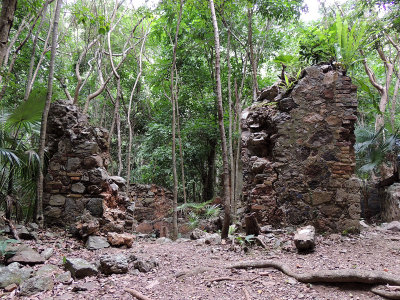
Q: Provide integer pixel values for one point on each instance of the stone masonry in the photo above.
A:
(298, 154)
(153, 208)
(77, 180)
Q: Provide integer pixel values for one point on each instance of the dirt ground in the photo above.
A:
(206, 275)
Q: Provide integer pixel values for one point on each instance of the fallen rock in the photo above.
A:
(26, 255)
(64, 278)
(114, 264)
(212, 239)
(47, 270)
(14, 274)
(80, 268)
(47, 253)
(304, 239)
(144, 265)
(120, 239)
(10, 288)
(197, 234)
(393, 226)
(95, 242)
(36, 284)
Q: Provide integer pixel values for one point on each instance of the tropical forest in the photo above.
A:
(200, 149)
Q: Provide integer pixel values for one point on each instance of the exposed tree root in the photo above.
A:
(137, 295)
(331, 276)
(230, 279)
(381, 291)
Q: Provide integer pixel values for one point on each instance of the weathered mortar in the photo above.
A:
(298, 154)
(77, 179)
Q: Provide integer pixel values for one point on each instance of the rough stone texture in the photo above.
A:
(14, 273)
(36, 284)
(95, 242)
(304, 238)
(27, 255)
(153, 205)
(120, 239)
(80, 268)
(77, 178)
(145, 265)
(390, 206)
(114, 264)
(298, 156)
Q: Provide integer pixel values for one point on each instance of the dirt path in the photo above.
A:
(372, 250)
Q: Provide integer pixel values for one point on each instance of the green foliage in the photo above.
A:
(316, 45)
(280, 10)
(373, 148)
(349, 41)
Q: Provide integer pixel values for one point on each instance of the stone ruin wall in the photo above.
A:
(153, 209)
(298, 156)
(77, 181)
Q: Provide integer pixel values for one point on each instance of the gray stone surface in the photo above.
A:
(78, 188)
(95, 242)
(114, 264)
(14, 273)
(27, 255)
(47, 253)
(36, 284)
(80, 268)
(304, 239)
(145, 265)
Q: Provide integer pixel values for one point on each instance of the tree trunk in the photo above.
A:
(173, 100)
(208, 178)
(6, 21)
(34, 43)
(225, 227)
(128, 176)
(181, 153)
(252, 58)
(43, 128)
(230, 130)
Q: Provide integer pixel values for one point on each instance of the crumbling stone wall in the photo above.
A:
(153, 207)
(298, 154)
(390, 208)
(77, 178)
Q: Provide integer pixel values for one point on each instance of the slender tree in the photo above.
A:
(173, 102)
(43, 128)
(227, 201)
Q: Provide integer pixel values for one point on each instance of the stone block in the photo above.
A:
(57, 200)
(320, 197)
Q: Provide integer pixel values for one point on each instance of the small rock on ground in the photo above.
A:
(80, 268)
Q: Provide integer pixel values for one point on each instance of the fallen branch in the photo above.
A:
(12, 228)
(261, 242)
(328, 276)
(137, 295)
(231, 279)
(395, 294)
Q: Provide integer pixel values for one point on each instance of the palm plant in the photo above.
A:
(18, 160)
(373, 148)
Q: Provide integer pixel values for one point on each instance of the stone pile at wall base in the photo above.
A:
(298, 156)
